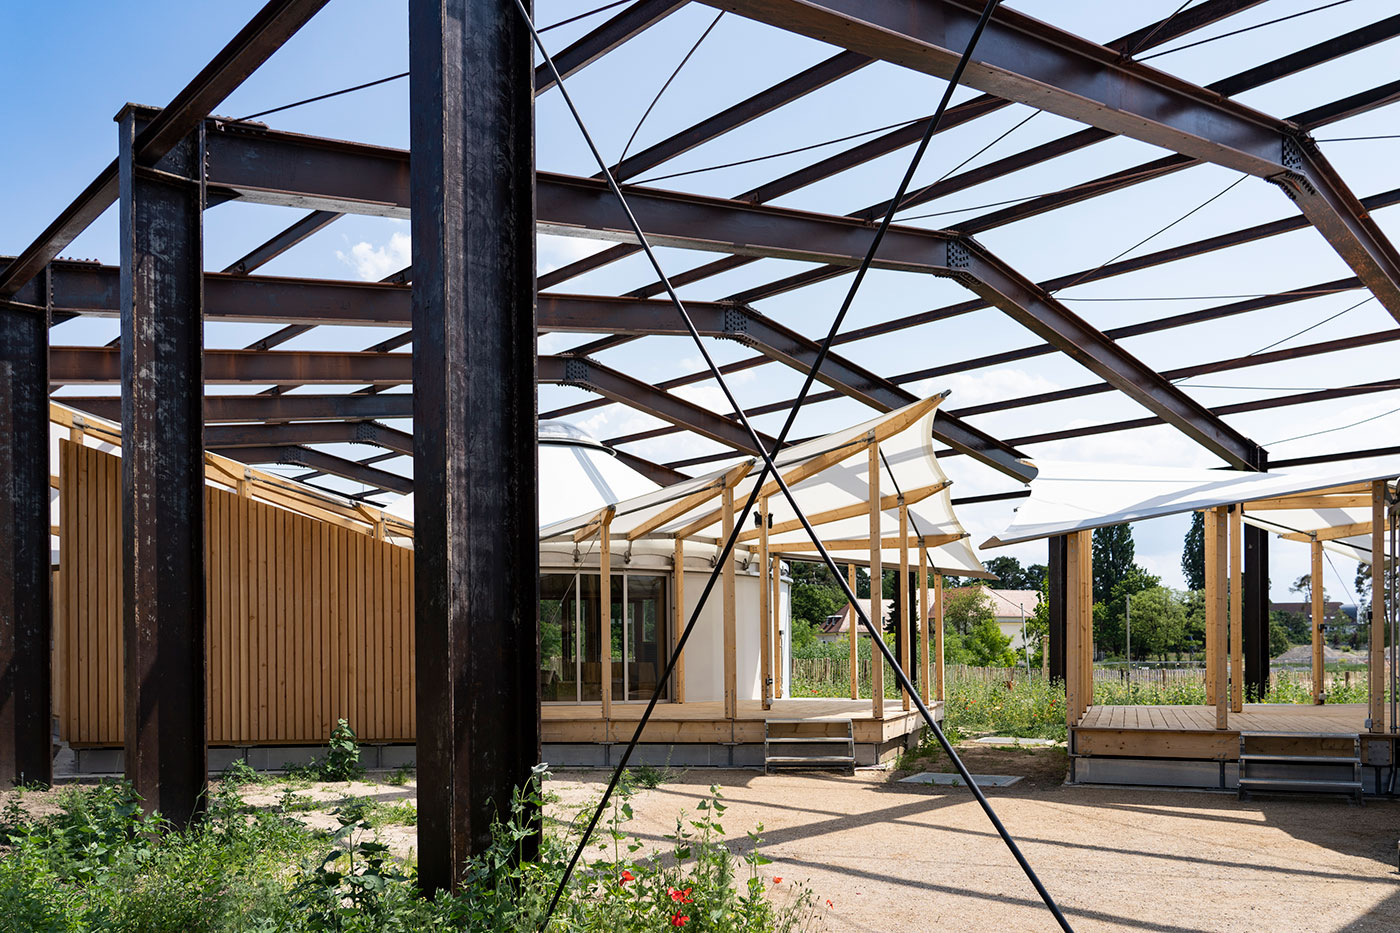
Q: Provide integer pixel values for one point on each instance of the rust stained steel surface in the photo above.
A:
(277, 168)
(1025, 60)
(1149, 36)
(162, 464)
(321, 462)
(25, 558)
(473, 371)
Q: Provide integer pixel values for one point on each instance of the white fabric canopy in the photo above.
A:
(576, 474)
(1069, 496)
(908, 465)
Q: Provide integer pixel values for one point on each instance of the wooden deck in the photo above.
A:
(706, 722)
(1189, 731)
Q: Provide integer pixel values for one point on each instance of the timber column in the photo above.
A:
(162, 346)
(474, 427)
(25, 753)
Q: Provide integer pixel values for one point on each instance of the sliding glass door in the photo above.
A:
(571, 668)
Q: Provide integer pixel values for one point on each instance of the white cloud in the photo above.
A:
(372, 263)
(990, 386)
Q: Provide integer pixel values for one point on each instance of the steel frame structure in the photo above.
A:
(176, 161)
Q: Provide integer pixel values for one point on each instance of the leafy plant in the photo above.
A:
(240, 774)
(342, 762)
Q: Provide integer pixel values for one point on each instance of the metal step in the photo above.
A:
(847, 760)
(1303, 759)
(1341, 787)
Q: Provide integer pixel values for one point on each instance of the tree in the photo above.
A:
(1012, 576)
(1159, 620)
(1113, 558)
(1293, 626)
(1278, 637)
(1038, 625)
(815, 594)
(1110, 615)
(965, 609)
(1193, 553)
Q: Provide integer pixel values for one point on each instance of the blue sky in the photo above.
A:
(71, 75)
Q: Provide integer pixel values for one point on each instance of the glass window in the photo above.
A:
(558, 637)
(647, 648)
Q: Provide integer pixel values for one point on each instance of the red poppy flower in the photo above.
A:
(679, 896)
(679, 919)
(777, 879)
(626, 877)
(829, 905)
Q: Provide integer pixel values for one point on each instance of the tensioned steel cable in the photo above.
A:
(674, 74)
(769, 467)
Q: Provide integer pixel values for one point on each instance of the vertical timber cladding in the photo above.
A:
(308, 621)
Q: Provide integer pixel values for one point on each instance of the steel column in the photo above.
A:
(1256, 612)
(476, 578)
(1057, 567)
(25, 753)
(161, 216)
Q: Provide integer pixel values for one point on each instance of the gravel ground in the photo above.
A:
(918, 857)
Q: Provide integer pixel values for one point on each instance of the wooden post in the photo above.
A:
(731, 641)
(1074, 654)
(765, 632)
(779, 654)
(605, 617)
(938, 635)
(1212, 583)
(925, 622)
(1319, 693)
(906, 627)
(1236, 611)
(1217, 599)
(678, 620)
(877, 587)
(1376, 663)
(852, 634)
(1086, 617)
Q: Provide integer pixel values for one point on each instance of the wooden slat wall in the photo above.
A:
(308, 621)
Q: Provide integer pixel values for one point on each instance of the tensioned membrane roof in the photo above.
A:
(1070, 496)
(830, 479)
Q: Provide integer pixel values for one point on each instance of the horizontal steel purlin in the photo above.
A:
(1022, 59)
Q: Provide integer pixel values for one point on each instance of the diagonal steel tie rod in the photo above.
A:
(769, 467)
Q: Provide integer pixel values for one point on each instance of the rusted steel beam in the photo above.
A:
(1152, 35)
(585, 314)
(281, 242)
(163, 588)
(1023, 59)
(299, 407)
(634, 393)
(273, 25)
(322, 462)
(473, 370)
(220, 437)
(784, 92)
(608, 36)
(25, 555)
